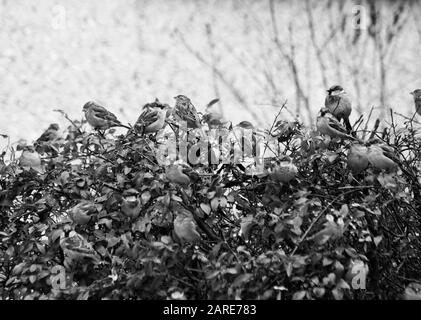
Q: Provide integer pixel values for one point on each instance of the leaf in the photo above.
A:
(112, 241)
(32, 278)
(212, 275)
(344, 210)
(242, 278)
(377, 240)
(218, 202)
(212, 102)
(246, 225)
(55, 234)
(146, 196)
(206, 208)
(231, 271)
(299, 295)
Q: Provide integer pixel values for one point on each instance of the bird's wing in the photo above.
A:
(77, 244)
(188, 114)
(103, 113)
(335, 124)
(147, 117)
(389, 152)
(48, 135)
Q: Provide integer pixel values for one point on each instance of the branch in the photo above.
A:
(235, 92)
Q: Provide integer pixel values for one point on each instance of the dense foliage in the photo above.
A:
(262, 238)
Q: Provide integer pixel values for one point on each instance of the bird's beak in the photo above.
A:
(411, 93)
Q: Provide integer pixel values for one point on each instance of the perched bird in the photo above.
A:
(328, 125)
(245, 125)
(30, 159)
(152, 118)
(185, 227)
(417, 99)
(382, 157)
(339, 104)
(44, 142)
(99, 117)
(83, 212)
(77, 250)
(357, 158)
(283, 172)
(175, 174)
(131, 204)
(214, 120)
(184, 111)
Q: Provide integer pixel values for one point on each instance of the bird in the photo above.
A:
(284, 172)
(245, 125)
(185, 227)
(357, 159)
(99, 117)
(214, 120)
(44, 142)
(328, 125)
(30, 159)
(152, 118)
(417, 99)
(382, 157)
(175, 174)
(77, 250)
(83, 213)
(185, 112)
(339, 104)
(131, 204)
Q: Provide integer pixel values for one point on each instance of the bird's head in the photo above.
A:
(181, 98)
(334, 90)
(87, 105)
(53, 126)
(416, 93)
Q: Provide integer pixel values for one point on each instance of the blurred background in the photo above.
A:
(253, 55)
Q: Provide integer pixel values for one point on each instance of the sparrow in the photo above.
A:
(339, 104)
(30, 159)
(175, 174)
(49, 135)
(184, 111)
(82, 213)
(152, 118)
(417, 99)
(99, 117)
(45, 142)
(328, 125)
(283, 172)
(214, 120)
(77, 250)
(131, 204)
(382, 157)
(185, 227)
(357, 159)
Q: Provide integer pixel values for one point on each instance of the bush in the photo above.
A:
(311, 236)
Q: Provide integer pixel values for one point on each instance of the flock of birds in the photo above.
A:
(333, 121)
